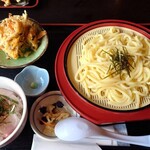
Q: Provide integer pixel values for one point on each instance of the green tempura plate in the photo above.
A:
(24, 61)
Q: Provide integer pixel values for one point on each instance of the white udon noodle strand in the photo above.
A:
(95, 62)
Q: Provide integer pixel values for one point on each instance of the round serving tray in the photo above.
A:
(90, 108)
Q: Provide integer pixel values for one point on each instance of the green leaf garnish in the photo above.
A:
(6, 107)
(120, 60)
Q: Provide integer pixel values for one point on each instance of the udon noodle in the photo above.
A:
(99, 74)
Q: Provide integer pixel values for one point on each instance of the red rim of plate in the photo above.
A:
(87, 110)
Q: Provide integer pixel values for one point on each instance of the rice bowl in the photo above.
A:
(10, 85)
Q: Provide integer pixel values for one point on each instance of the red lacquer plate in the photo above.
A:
(30, 4)
(88, 110)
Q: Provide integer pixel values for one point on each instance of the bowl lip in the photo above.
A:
(35, 104)
(23, 119)
(37, 68)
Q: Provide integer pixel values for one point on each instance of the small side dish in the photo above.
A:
(16, 2)
(8, 2)
(51, 115)
(33, 79)
(19, 36)
(47, 111)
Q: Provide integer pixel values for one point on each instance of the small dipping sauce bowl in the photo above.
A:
(33, 80)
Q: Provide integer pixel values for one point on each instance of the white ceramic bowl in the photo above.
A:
(33, 80)
(9, 84)
(51, 97)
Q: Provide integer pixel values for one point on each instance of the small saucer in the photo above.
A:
(33, 80)
(46, 100)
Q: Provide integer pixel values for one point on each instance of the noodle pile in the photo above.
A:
(98, 77)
